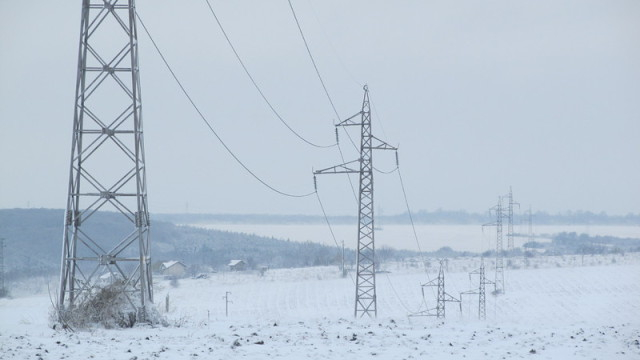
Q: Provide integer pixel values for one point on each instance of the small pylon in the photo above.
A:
(2, 291)
(530, 235)
(481, 291)
(499, 276)
(442, 297)
(510, 243)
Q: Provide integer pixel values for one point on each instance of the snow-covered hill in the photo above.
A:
(552, 309)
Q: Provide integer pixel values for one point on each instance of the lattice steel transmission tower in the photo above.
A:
(510, 244)
(108, 169)
(499, 278)
(442, 296)
(481, 291)
(530, 235)
(365, 303)
(2, 290)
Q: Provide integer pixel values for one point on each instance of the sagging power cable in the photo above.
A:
(313, 61)
(413, 226)
(326, 219)
(208, 124)
(326, 91)
(255, 84)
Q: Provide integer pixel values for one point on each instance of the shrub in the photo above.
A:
(109, 306)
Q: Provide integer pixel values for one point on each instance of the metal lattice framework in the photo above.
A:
(107, 171)
(1, 265)
(481, 291)
(366, 278)
(510, 244)
(499, 277)
(530, 221)
(442, 296)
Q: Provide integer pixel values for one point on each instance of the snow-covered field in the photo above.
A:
(553, 308)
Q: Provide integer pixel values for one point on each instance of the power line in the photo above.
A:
(255, 84)
(315, 66)
(413, 226)
(375, 111)
(208, 124)
(400, 298)
(385, 172)
(313, 61)
(335, 52)
(406, 201)
(326, 219)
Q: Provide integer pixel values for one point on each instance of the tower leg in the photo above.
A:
(107, 176)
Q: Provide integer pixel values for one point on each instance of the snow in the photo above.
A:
(553, 308)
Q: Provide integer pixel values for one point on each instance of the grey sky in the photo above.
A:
(540, 95)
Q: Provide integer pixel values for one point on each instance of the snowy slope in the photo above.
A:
(553, 309)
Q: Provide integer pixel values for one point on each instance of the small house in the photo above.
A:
(173, 268)
(237, 265)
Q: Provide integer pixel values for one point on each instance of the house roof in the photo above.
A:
(235, 262)
(169, 264)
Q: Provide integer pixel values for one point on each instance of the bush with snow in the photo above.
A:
(109, 306)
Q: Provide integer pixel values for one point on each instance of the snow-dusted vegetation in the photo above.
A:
(563, 307)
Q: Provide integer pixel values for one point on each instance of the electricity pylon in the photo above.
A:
(530, 225)
(499, 278)
(108, 170)
(510, 245)
(2, 291)
(442, 297)
(365, 303)
(481, 291)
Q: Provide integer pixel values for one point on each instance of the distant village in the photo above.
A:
(176, 269)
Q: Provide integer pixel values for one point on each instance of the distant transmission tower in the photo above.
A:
(442, 297)
(365, 278)
(530, 225)
(510, 245)
(108, 170)
(499, 278)
(2, 290)
(481, 291)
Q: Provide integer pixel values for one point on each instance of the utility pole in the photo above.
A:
(107, 169)
(365, 303)
(226, 303)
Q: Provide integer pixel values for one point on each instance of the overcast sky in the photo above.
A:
(543, 96)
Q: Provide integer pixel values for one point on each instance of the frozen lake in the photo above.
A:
(431, 237)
